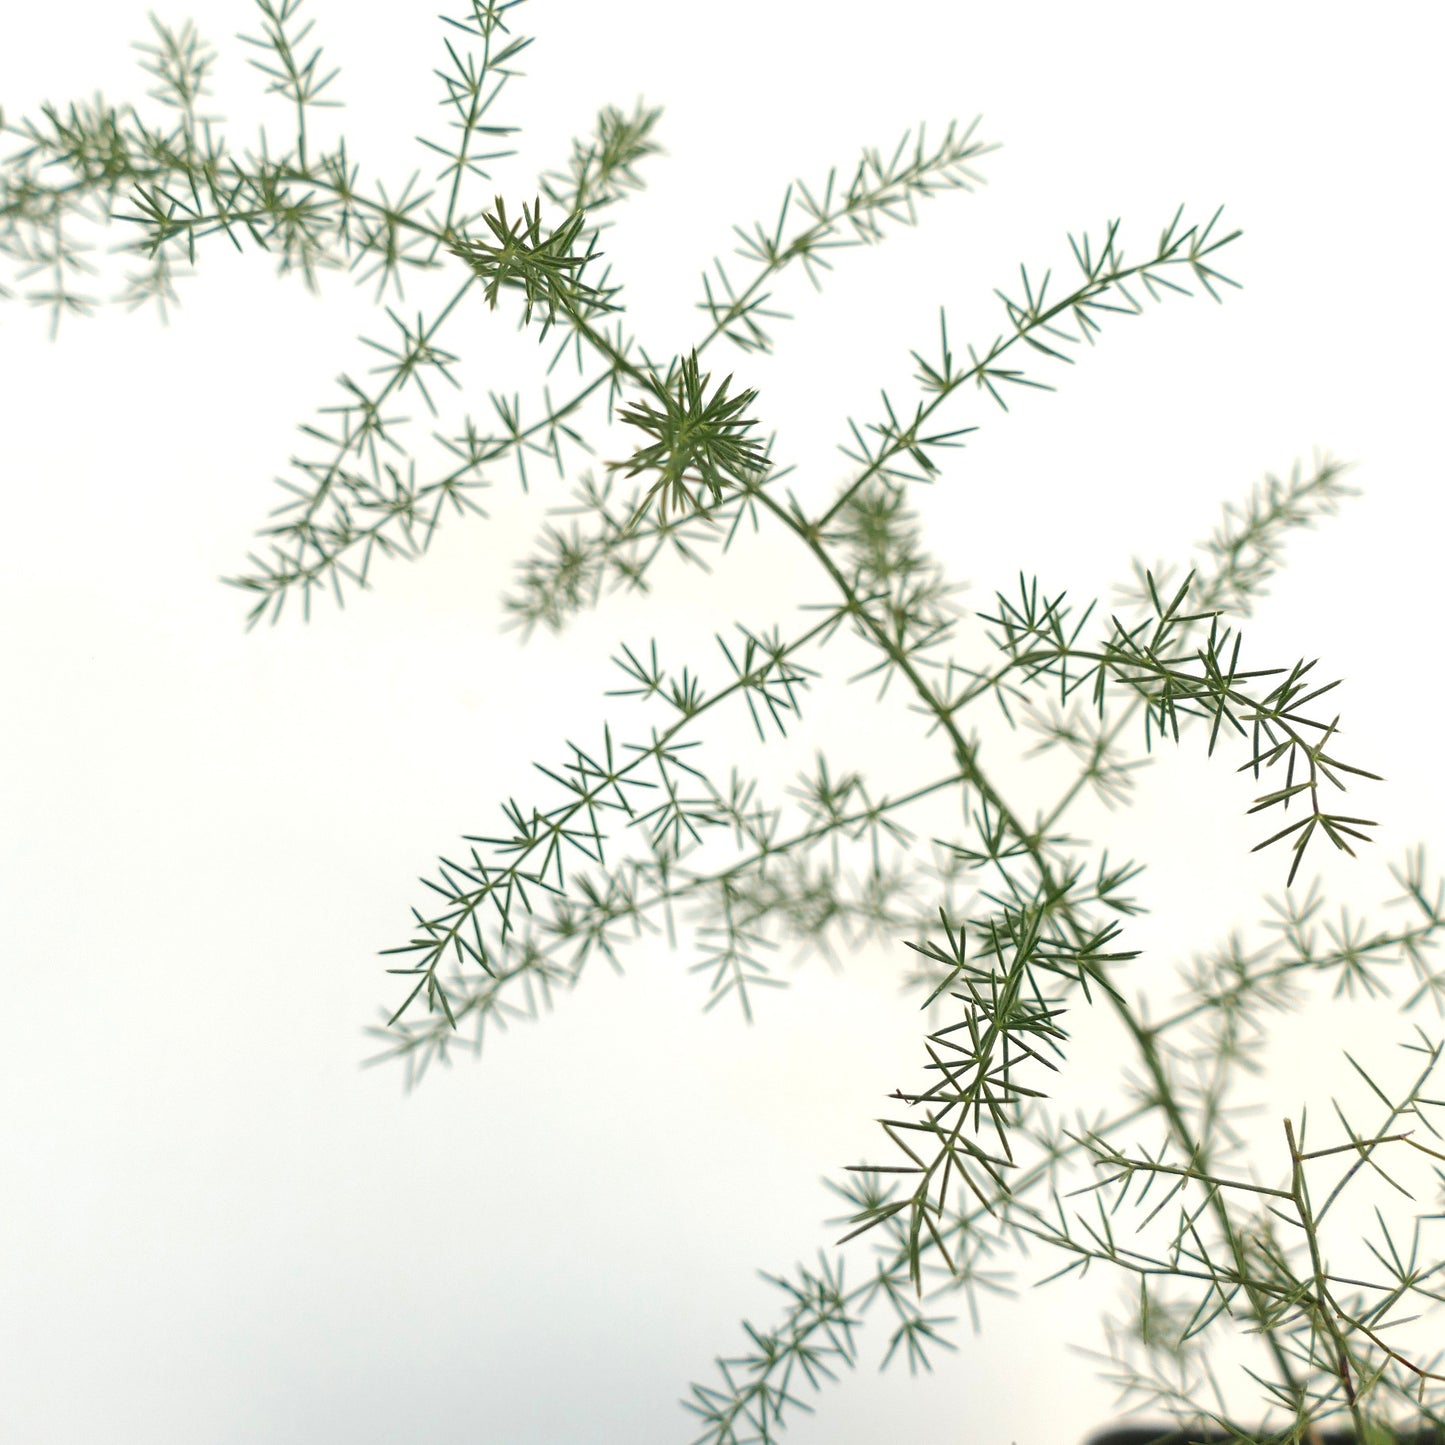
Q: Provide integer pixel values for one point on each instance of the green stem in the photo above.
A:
(1143, 1038)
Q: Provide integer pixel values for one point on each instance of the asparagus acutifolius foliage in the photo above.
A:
(1010, 923)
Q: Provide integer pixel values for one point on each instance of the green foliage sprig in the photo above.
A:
(1011, 924)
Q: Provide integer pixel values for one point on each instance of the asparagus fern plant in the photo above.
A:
(1010, 923)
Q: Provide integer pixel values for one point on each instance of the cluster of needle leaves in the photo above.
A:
(1010, 924)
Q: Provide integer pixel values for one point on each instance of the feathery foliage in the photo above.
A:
(1011, 924)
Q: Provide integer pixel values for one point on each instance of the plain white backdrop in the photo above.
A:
(216, 1227)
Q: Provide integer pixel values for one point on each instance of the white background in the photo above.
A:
(216, 1227)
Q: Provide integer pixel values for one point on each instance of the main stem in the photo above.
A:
(1144, 1038)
